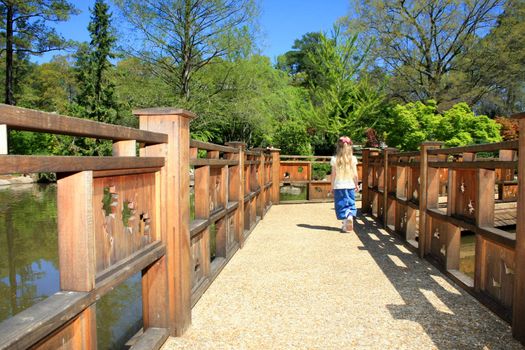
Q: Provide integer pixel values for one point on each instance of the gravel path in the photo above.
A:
(301, 284)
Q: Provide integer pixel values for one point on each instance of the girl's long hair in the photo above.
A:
(344, 155)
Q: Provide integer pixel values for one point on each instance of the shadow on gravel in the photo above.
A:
(319, 228)
(450, 317)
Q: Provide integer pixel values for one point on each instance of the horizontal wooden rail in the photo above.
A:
(212, 147)
(487, 147)
(30, 120)
(54, 164)
(479, 164)
(212, 162)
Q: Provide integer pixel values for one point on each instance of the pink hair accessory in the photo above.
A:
(346, 140)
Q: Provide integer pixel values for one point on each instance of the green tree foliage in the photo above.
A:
(344, 100)
(25, 31)
(297, 63)
(181, 37)
(498, 62)
(423, 44)
(415, 122)
(96, 91)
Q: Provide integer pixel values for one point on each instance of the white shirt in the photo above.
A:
(344, 180)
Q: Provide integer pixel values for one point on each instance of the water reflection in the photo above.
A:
(29, 265)
(28, 247)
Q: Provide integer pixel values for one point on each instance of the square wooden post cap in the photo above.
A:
(167, 111)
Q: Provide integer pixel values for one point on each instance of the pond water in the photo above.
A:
(29, 265)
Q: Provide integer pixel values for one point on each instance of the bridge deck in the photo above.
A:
(299, 283)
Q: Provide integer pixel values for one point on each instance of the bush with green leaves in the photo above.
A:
(416, 122)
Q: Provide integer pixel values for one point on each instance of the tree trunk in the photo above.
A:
(9, 99)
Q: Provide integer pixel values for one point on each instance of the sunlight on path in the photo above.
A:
(301, 284)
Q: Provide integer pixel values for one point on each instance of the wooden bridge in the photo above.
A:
(179, 210)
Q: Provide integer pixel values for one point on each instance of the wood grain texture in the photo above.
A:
(18, 118)
(518, 314)
(212, 147)
(151, 339)
(76, 232)
(10, 164)
(175, 182)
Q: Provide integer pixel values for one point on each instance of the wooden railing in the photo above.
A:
(434, 197)
(297, 178)
(128, 214)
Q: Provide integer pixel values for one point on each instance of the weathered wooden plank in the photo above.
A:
(10, 164)
(18, 118)
(152, 339)
(175, 181)
(197, 226)
(484, 202)
(125, 268)
(212, 147)
(478, 164)
(29, 326)
(518, 314)
(199, 162)
(76, 232)
(488, 147)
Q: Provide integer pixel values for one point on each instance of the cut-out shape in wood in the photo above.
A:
(443, 250)
(109, 201)
(318, 189)
(145, 227)
(508, 270)
(470, 207)
(436, 233)
(495, 283)
(462, 187)
(300, 169)
(128, 214)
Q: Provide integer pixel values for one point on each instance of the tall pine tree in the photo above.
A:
(96, 91)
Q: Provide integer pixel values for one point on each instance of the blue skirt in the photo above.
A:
(344, 200)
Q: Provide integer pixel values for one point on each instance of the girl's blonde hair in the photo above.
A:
(344, 155)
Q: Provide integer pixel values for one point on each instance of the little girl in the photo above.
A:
(344, 182)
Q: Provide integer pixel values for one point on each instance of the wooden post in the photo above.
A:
(238, 193)
(260, 182)
(76, 248)
(125, 148)
(386, 182)
(365, 201)
(423, 187)
(3, 139)
(175, 267)
(518, 313)
(276, 168)
(485, 203)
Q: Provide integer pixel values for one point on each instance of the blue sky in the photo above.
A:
(281, 22)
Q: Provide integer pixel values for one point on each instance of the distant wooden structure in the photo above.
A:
(298, 171)
(128, 214)
(431, 196)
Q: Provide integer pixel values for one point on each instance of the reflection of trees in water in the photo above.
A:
(28, 235)
(119, 314)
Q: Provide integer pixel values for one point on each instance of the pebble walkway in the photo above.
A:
(299, 283)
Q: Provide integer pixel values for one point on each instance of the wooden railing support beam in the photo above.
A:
(365, 200)
(175, 301)
(423, 188)
(238, 193)
(518, 312)
(276, 168)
